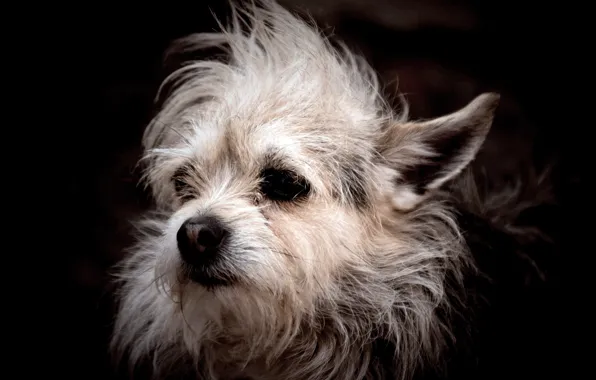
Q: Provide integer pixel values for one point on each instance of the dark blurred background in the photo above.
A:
(108, 61)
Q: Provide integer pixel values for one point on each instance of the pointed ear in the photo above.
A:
(425, 155)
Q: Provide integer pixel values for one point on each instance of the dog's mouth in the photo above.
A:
(207, 275)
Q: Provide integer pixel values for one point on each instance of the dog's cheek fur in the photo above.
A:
(320, 238)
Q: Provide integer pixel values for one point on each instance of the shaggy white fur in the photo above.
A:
(364, 257)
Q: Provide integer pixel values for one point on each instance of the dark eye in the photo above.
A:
(283, 185)
(181, 186)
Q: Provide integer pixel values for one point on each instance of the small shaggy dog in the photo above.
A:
(303, 229)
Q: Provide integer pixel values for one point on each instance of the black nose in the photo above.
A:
(200, 239)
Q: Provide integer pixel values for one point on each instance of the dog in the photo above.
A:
(303, 229)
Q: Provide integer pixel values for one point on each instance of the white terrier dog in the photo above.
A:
(303, 229)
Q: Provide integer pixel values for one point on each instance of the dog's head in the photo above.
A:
(279, 173)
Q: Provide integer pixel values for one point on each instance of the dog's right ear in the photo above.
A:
(425, 155)
(185, 51)
(183, 61)
(195, 47)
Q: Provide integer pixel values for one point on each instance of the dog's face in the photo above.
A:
(279, 172)
(278, 202)
(273, 206)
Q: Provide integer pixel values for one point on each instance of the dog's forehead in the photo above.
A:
(293, 141)
(336, 157)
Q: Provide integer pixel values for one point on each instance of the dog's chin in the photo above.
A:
(209, 277)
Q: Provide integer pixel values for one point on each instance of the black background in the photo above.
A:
(104, 65)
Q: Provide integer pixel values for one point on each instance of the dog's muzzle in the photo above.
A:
(201, 241)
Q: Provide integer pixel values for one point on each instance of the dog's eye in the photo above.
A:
(283, 185)
(183, 189)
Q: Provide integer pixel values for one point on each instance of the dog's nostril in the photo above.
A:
(208, 236)
(200, 237)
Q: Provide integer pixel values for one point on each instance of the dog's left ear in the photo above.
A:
(425, 155)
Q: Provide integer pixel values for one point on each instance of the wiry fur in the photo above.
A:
(319, 283)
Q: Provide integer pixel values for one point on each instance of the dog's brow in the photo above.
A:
(183, 170)
(187, 170)
(274, 158)
(278, 159)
